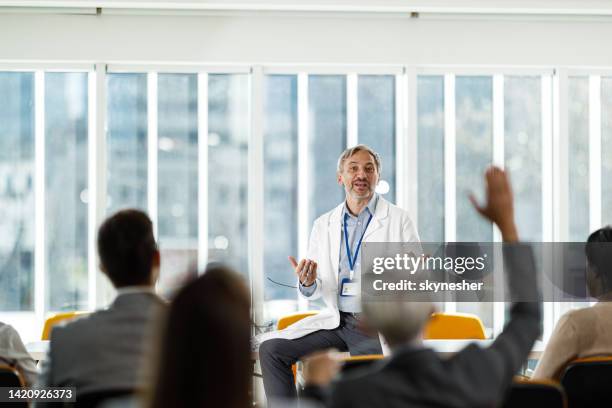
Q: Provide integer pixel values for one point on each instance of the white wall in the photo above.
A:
(265, 39)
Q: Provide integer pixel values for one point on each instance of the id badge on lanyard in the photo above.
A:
(348, 287)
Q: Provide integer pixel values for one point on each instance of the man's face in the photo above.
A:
(359, 175)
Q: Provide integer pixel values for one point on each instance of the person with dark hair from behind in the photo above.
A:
(205, 355)
(584, 332)
(415, 376)
(101, 354)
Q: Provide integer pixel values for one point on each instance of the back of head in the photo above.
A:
(599, 256)
(205, 356)
(399, 321)
(127, 248)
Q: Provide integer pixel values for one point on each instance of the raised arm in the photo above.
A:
(491, 370)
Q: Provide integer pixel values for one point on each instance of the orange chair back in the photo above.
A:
(596, 359)
(55, 319)
(288, 320)
(446, 326)
(363, 357)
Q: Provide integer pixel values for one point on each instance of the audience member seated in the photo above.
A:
(14, 354)
(102, 353)
(205, 354)
(415, 376)
(584, 332)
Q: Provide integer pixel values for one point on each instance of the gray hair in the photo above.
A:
(352, 150)
(398, 321)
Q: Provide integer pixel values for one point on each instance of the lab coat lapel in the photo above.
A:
(380, 213)
(335, 229)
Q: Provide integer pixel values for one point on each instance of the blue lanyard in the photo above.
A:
(353, 259)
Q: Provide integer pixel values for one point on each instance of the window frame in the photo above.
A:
(554, 131)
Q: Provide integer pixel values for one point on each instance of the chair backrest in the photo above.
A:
(454, 326)
(535, 394)
(588, 381)
(10, 377)
(288, 320)
(353, 362)
(97, 399)
(55, 319)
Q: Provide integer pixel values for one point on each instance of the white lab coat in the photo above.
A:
(389, 224)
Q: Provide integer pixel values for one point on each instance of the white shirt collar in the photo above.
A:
(371, 207)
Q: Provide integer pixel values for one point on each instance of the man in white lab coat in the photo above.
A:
(332, 271)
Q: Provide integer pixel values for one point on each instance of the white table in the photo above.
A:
(449, 347)
(38, 349)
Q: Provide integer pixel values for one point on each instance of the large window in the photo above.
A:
(66, 190)
(606, 151)
(523, 151)
(474, 152)
(464, 124)
(327, 139)
(127, 142)
(376, 115)
(578, 160)
(177, 176)
(154, 164)
(17, 191)
(185, 148)
(281, 192)
(228, 191)
(430, 175)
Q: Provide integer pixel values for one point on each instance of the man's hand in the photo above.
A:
(321, 367)
(306, 270)
(499, 207)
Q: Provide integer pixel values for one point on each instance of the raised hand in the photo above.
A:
(306, 270)
(499, 207)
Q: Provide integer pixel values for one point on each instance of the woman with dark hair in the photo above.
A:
(205, 356)
(584, 332)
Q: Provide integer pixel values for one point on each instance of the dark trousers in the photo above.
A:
(277, 355)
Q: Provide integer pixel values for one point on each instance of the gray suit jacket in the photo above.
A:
(473, 377)
(105, 350)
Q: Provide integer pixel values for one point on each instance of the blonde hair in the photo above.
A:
(398, 321)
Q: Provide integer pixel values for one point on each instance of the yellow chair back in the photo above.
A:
(446, 326)
(363, 357)
(593, 359)
(55, 319)
(288, 320)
